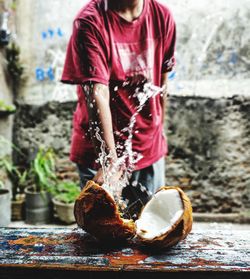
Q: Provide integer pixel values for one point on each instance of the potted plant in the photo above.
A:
(17, 175)
(18, 179)
(41, 180)
(18, 196)
(64, 200)
(4, 206)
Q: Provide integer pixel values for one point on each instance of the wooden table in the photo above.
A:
(61, 253)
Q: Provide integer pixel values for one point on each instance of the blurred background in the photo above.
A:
(208, 116)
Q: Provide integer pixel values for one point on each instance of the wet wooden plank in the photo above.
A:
(67, 250)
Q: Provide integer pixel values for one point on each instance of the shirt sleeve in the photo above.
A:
(86, 56)
(169, 43)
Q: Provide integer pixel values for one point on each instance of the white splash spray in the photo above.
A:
(129, 158)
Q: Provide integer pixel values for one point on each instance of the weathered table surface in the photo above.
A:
(58, 253)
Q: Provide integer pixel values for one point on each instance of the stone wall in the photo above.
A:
(47, 125)
(209, 146)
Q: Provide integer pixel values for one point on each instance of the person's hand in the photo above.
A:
(112, 179)
(98, 178)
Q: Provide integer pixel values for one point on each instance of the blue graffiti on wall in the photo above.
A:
(42, 74)
(52, 33)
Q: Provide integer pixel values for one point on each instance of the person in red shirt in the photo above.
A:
(117, 49)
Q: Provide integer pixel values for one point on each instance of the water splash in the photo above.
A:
(129, 158)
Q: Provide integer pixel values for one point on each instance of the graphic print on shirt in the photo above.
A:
(137, 59)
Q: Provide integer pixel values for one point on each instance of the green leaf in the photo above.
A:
(67, 191)
(8, 165)
(43, 170)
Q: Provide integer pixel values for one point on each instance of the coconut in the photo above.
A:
(164, 221)
(97, 213)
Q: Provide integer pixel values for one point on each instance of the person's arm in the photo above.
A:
(100, 119)
(164, 85)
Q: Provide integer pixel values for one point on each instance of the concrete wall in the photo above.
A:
(7, 121)
(44, 28)
(6, 93)
(212, 47)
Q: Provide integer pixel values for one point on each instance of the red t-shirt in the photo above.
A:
(107, 49)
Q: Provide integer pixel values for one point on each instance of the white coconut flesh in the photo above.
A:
(160, 214)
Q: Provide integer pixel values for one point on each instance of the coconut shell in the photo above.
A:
(97, 213)
(178, 231)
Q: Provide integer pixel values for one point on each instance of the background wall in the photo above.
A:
(209, 142)
(208, 128)
(43, 29)
(213, 47)
(5, 88)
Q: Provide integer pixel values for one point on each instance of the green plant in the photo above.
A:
(42, 171)
(4, 107)
(67, 192)
(4, 142)
(16, 175)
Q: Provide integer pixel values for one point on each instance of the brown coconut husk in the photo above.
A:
(97, 213)
(178, 231)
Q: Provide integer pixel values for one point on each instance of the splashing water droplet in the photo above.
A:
(134, 183)
(142, 188)
(128, 158)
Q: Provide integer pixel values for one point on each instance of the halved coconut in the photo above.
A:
(166, 219)
(97, 213)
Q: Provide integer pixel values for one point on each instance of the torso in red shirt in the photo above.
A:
(106, 48)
